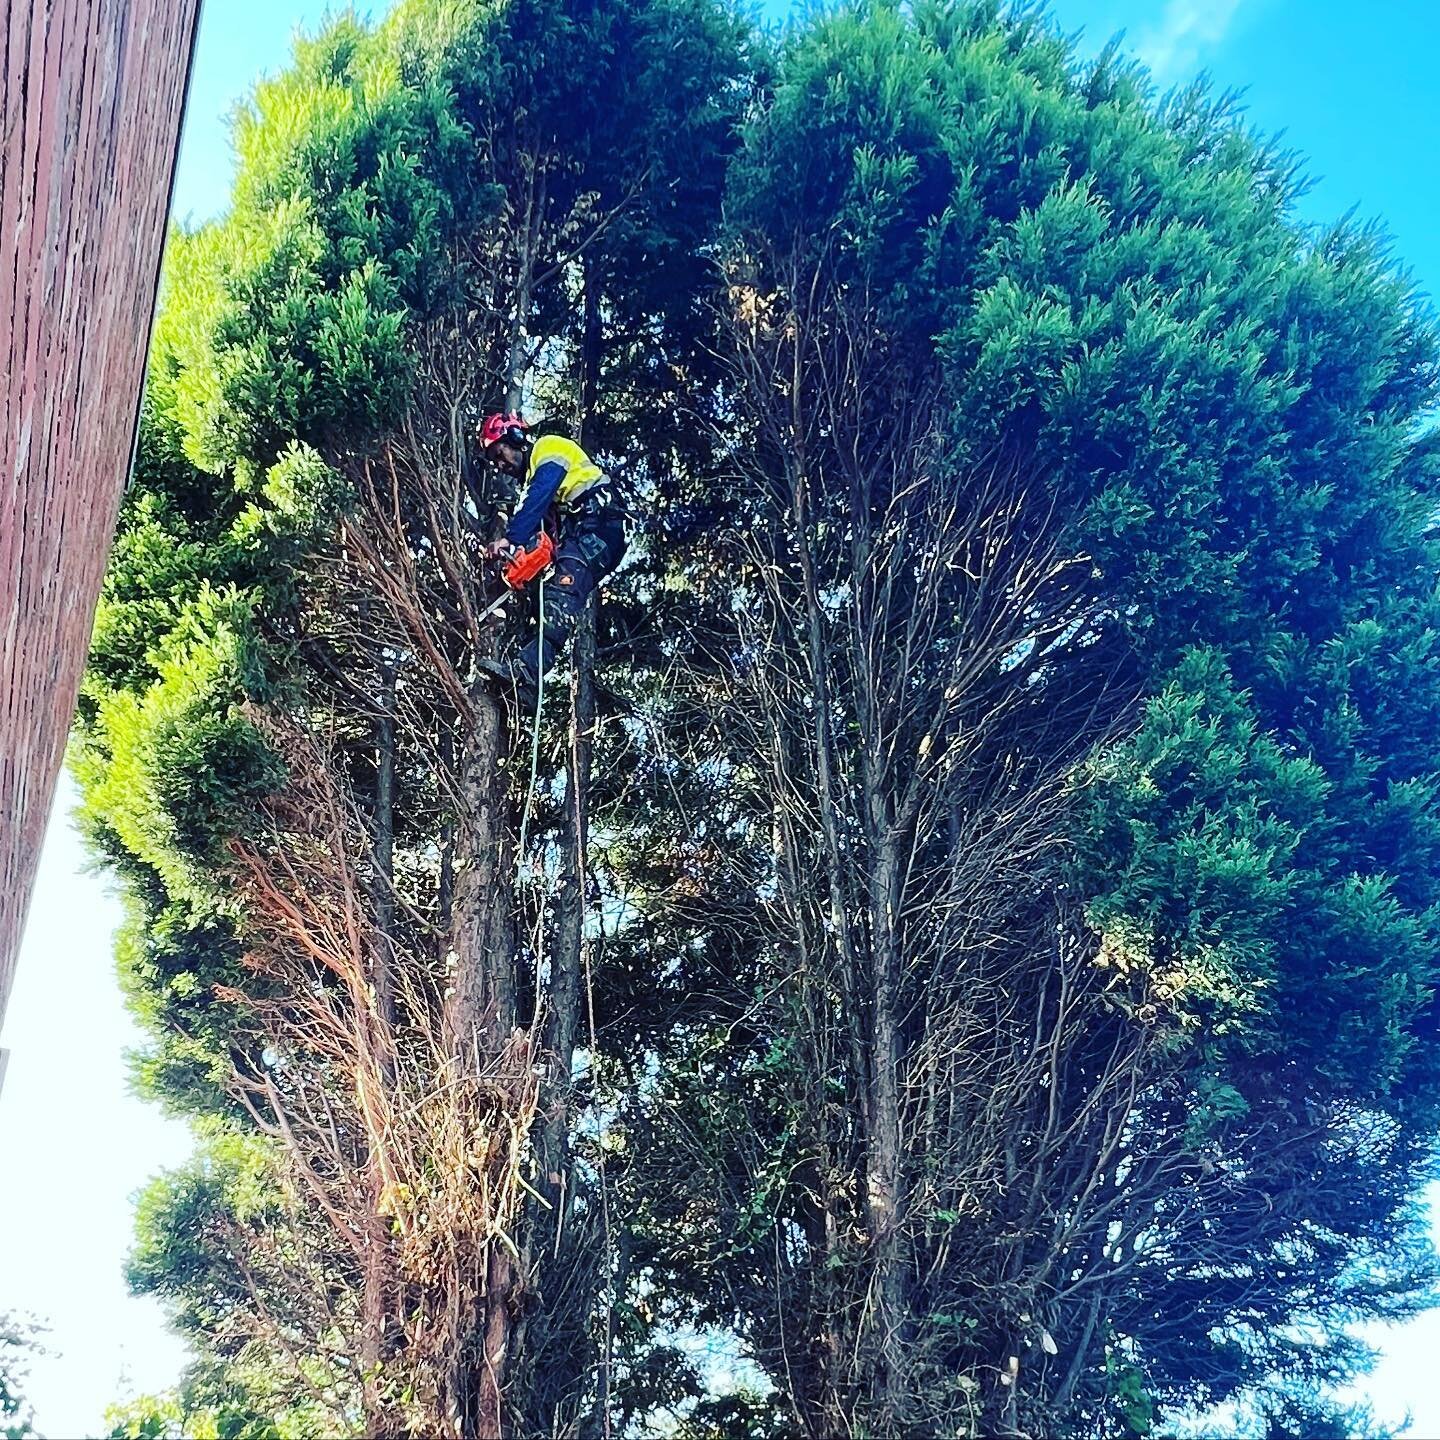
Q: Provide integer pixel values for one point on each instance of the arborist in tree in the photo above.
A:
(570, 513)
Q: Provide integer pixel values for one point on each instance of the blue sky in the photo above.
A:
(1353, 88)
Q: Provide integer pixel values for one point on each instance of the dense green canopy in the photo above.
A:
(1014, 820)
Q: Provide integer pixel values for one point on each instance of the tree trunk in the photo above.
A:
(480, 1011)
(562, 1017)
(378, 1299)
(562, 1025)
(500, 1292)
(445, 899)
(882, 1199)
(383, 898)
(515, 357)
(480, 1008)
(378, 1280)
(850, 968)
(555, 1249)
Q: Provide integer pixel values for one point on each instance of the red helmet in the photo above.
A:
(507, 428)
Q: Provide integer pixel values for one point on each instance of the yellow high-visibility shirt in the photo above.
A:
(581, 472)
(559, 472)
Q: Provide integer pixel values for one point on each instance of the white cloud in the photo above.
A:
(1174, 49)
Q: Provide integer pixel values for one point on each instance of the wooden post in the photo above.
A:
(91, 97)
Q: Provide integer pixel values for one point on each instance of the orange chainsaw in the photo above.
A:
(521, 568)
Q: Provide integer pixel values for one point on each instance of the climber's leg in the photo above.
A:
(583, 561)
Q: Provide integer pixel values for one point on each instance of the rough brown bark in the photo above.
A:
(480, 1011)
(481, 1007)
(376, 1329)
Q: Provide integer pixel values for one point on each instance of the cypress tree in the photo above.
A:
(1068, 768)
(285, 746)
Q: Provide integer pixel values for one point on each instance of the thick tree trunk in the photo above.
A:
(562, 1021)
(476, 884)
(377, 1332)
(480, 1012)
(481, 1009)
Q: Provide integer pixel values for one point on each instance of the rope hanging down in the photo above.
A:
(608, 1241)
(534, 739)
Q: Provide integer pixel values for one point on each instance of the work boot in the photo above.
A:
(515, 684)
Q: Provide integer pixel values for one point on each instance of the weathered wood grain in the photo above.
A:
(91, 94)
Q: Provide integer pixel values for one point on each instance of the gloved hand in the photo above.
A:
(501, 551)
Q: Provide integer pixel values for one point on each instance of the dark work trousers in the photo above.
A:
(593, 546)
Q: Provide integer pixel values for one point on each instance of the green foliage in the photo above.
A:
(183, 762)
(1225, 861)
(1309, 1417)
(1125, 1387)
(303, 495)
(209, 1236)
(1191, 838)
(164, 1417)
(170, 957)
(180, 1415)
(1232, 406)
(184, 1216)
(17, 1342)
(291, 313)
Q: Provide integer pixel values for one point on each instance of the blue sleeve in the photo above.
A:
(525, 523)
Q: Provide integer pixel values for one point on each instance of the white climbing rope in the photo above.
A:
(534, 735)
